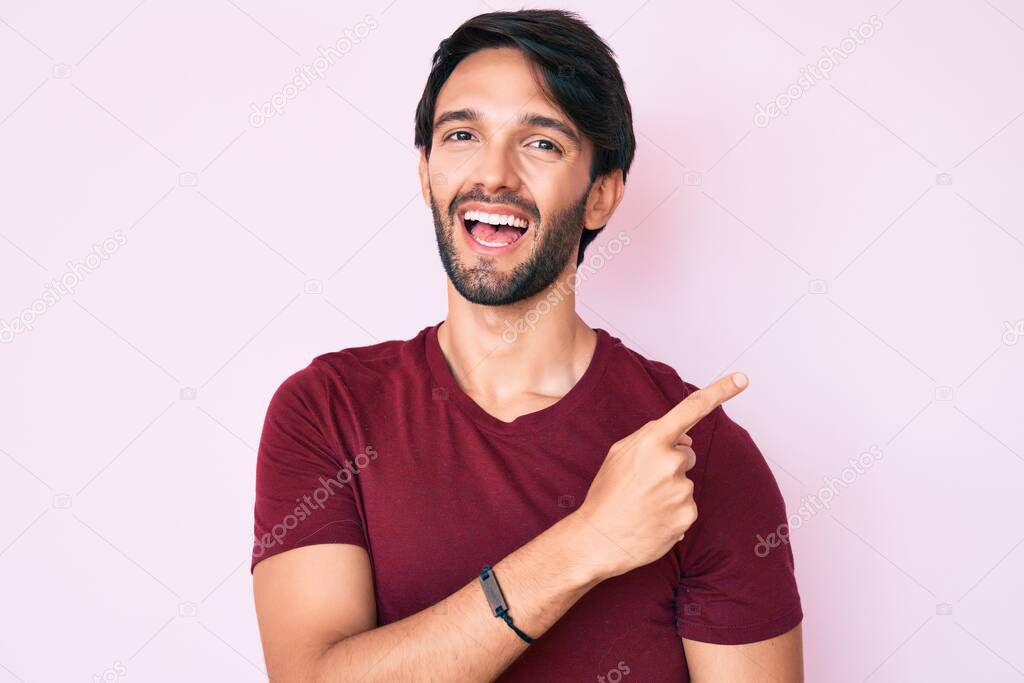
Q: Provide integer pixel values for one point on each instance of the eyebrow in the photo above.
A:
(528, 119)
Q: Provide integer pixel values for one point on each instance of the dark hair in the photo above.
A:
(579, 71)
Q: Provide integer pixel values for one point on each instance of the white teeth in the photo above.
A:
(495, 219)
(491, 244)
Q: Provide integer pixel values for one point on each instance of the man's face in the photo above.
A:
(505, 154)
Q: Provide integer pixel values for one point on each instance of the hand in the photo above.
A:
(640, 502)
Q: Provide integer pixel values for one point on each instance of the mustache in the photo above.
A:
(477, 195)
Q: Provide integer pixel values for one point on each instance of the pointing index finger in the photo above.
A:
(688, 412)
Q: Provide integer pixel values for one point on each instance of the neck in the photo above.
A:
(536, 346)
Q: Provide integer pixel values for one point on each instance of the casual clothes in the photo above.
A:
(379, 447)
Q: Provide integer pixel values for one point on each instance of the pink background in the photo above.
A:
(860, 257)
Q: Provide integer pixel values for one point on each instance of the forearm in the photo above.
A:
(458, 638)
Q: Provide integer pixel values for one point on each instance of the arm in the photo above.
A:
(778, 659)
(317, 614)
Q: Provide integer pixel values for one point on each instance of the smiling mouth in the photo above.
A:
(494, 229)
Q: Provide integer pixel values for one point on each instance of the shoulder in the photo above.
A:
(627, 361)
(356, 366)
(735, 475)
(379, 358)
(725, 443)
(638, 375)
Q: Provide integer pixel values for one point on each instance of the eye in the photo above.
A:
(550, 146)
(460, 132)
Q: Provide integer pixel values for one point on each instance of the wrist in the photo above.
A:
(575, 536)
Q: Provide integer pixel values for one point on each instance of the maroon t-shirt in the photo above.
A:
(379, 447)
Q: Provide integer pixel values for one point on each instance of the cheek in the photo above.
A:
(448, 175)
(551, 205)
(552, 187)
(440, 177)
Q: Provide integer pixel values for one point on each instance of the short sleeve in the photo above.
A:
(304, 492)
(736, 587)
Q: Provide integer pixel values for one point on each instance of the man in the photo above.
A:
(511, 494)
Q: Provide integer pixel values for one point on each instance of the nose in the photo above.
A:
(495, 169)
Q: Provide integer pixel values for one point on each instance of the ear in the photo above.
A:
(424, 176)
(605, 195)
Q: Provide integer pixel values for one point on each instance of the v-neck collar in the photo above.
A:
(550, 416)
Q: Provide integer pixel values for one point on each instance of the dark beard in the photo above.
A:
(482, 284)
